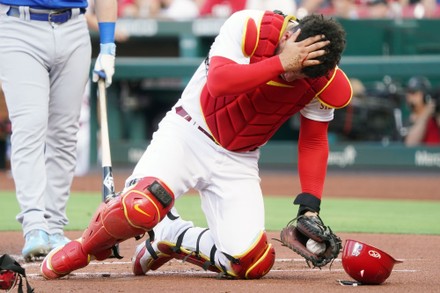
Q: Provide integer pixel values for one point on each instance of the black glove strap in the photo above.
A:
(307, 202)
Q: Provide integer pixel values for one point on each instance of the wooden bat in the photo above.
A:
(108, 185)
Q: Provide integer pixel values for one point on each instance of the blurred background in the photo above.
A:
(392, 58)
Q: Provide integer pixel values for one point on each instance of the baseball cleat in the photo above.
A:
(63, 260)
(36, 245)
(57, 240)
(148, 257)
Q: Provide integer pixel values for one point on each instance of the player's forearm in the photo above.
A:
(106, 13)
(106, 10)
(416, 133)
(312, 156)
(92, 22)
(227, 78)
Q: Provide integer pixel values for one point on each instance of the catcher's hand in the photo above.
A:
(311, 227)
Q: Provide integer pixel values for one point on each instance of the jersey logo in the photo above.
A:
(324, 107)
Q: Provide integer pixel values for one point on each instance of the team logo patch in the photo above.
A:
(357, 249)
(374, 253)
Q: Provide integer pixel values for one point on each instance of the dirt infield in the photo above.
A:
(417, 273)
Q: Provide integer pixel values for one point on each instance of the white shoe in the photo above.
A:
(57, 240)
(36, 245)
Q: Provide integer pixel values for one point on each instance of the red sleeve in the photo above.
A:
(226, 78)
(312, 156)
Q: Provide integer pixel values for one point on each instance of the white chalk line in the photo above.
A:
(279, 260)
(79, 275)
(104, 274)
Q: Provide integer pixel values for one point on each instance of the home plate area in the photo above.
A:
(290, 272)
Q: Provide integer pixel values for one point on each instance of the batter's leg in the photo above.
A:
(25, 82)
(68, 81)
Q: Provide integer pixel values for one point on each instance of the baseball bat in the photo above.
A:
(108, 185)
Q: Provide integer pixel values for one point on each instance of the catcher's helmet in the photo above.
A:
(365, 263)
(8, 279)
(11, 273)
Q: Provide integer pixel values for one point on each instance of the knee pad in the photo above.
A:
(256, 262)
(131, 214)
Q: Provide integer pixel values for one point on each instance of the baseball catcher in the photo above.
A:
(311, 239)
(262, 69)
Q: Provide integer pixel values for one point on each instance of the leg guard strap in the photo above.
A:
(195, 257)
(159, 260)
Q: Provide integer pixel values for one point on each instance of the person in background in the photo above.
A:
(173, 9)
(307, 7)
(126, 8)
(378, 9)
(45, 56)
(424, 119)
(419, 9)
(287, 6)
(346, 9)
(159, 9)
(221, 8)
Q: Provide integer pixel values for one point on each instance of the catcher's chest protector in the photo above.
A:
(247, 121)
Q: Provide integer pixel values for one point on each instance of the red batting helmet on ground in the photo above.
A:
(365, 263)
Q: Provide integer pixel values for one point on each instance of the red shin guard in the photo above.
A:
(133, 213)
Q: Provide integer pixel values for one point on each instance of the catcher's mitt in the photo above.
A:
(311, 227)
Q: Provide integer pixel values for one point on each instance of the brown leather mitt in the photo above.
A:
(311, 227)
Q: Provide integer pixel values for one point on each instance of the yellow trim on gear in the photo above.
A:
(243, 38)
(287, 19)
(253, 245)
(328, 83)
(263, 257)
